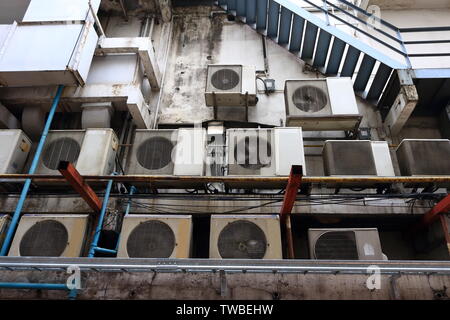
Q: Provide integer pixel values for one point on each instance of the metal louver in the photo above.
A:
(151, 239)
(155, 153)
(242, 240)
(336, 245)
(46, 238)
(63, 149)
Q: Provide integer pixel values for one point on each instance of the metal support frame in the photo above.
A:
(290, 195)
(431, 216)
(79, 185)
(26, 187)
(94, 245)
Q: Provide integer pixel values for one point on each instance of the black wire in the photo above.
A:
(266, 91)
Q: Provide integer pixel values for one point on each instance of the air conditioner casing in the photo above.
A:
(15, 147)
(424, 157)
(224, 93)
(268, 224)
(180, 226)
(286, 150)
(75, 226)
(4, 223)
(357, 158)
(335, 110)
(179, 152)
(345, 244)
(91, 151)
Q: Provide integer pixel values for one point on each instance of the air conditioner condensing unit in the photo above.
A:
(321, 104)
(231, 85)
(15, 147)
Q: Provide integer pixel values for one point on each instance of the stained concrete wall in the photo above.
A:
(207, 286)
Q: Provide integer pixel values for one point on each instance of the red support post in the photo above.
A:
(431, 216)
(77, 182)
(290, 195)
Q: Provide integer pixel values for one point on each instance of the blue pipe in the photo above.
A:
(98, 229)
(16, 216)
(40, 286)
(132, 191)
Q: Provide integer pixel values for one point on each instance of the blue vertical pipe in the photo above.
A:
(98, 229)
(26, 186)
(132, 191)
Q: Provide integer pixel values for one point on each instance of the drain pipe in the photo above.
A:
(94, 245)
(16, 216)
(39, 286)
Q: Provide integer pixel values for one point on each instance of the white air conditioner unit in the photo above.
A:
(4, 223)
(156, 236)
(91, 151)
(14, 150)
(321, 104)
(178, 152)
(231, 85)
(50, 236)
(264, 152)
(357, 158)
(245, 237)
(424, 157)
(345, 244)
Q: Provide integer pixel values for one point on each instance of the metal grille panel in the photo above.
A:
(242, 240)
(47, 238)
(63, 149)
(336, 246)
(310, 99)
(225, 79)
(151, 239)
(155, 153)
(349, 158)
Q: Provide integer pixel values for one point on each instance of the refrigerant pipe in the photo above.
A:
(26, 187)
(39, 286)
(94, 245)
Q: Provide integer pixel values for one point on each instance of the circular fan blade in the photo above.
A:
(155, 153)
(225, 79)
(309, 99)
(151, 239)
(47, 238)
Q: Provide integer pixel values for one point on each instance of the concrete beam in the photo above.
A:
(141, 46)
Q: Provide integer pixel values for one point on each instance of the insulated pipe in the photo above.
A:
(94, 244)
(16, 216)
(132, 191)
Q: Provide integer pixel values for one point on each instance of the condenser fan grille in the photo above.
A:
(310, 99)
(257, 153)
(336, 246)
(63, 149)
(151, 239)
(47, 238)
(225, 79)
(155, 153)
(242, 240)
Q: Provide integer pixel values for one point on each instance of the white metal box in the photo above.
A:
(345, 244)
(14, 150)
(321, 104)
(156, 236)
(357, 158)
(4, 224)
(264, 152)
(245, 237)
(231, 85)
(50, 235)
(91, 151)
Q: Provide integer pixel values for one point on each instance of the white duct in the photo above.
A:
(96, 115)
(33, 121)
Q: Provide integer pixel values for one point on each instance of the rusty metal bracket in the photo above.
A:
(290, 195)
(79, 185)
(431, 216)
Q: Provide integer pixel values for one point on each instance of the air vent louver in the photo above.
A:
(336, 246)
(63, 149)
(47, 238)
(151, 239)
(242, 240)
